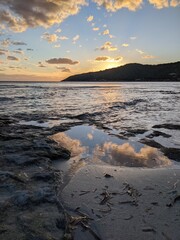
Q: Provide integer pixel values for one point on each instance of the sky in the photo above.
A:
(49, 40)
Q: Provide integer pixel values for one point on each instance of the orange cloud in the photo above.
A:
(90, 18)
(108, 46)
(50, 37)
(105, 32)
(125, 155)
(118, 4)
(61, 61)
(18, 15)
(12, 58)
(73, 145)
(108, 59)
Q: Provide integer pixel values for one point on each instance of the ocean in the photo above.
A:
(141, 112)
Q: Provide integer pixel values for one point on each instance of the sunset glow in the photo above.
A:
(52, 40)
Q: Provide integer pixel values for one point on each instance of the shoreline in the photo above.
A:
(34, 205)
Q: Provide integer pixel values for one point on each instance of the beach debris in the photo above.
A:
(155, 203)
(72, 222)
(129, 218)
(174, 200)
(175, 184)
(148, 188)
(108, 175)
(129, 202)
(149, 229)
(131, 190)
(106, 197)
(84, 192)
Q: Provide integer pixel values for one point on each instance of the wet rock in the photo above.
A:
(42, 195)
(4, 175)
(21, 159)
(172, 153)
(151, 143)
(168, 126)
(158, 134)
(41, 224)
(55, 153)
(134, 132)
(21, 198)
(108, 175)
(4, 121)
(44, 176)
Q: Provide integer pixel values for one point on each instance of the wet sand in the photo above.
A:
(124, 203)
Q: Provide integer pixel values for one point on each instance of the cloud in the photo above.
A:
(3, 51)
(133, 38)
(41, 65)
(90, 18)
(90, 136)
(164, 3)
(18, 51)
(108, 59)
(13, 67)
(105, 32)
(61, 61)
(95, 29)
(115, 5)
(108, 46)
(118, 4)
(125, 155)
(58, 30)
(111, 36)
(148, 57)
(159, 3)
(125, 45)
(102, 59)
(17, 43)
(49, 37)
(73, 145)
(63, 38)
(140, 51)
(13, 22)
(144, 55)
(12, 58)
(19, 15)
(175, 3)
(76, 38)
(57, 46)
(64, 69)
(6, 42)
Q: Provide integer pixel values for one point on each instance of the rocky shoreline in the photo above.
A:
(29, 203)
(31, 207)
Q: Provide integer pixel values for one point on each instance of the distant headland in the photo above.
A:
(132, 72)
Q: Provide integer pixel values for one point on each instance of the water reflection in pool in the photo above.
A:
(87, 142)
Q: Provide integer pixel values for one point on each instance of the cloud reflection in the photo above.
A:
(100, 148)
(125, 155)
(73, 145)
(90, 136)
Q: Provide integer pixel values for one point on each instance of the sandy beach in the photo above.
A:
(125, 203)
